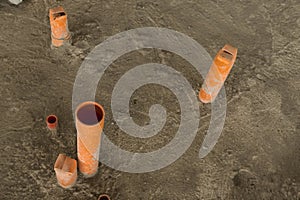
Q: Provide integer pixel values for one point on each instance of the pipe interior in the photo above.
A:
(90, 114)
(57, 15)
(104, 198)
(51, 119)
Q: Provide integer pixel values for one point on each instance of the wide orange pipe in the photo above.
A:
(66, 171)
(89, 125)
(59, 26)
(217, 74)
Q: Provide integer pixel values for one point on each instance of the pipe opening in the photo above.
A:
(227, 55)
(57, 15)
(90, 114)
(227, 52)
(104, 197)
(51, 119)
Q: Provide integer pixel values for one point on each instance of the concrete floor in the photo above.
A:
(257, 156)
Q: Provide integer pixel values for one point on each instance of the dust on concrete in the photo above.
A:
(257, 156)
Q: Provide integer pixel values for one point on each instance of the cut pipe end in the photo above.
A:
(225, 60)
(60, 33)
(52, 122)
(104, 197)
(66, 171)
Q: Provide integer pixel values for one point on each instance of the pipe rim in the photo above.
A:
(90, 121)
(104, 197)
(51, 119)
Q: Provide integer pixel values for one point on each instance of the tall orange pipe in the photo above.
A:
(89, 125)
(217, 74)
(59, 26)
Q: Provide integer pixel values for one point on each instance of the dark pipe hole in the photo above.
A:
(227, 55)
(226, 52)
(51, 119)
(104, 198)
(90, 114)
(56, 15)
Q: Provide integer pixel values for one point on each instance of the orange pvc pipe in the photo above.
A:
(66, 171)
(218, 73)
(104, 197)
(59, 26)
(89, 125)
(52, 122)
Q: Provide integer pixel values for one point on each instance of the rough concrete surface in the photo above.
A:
(258, 154)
